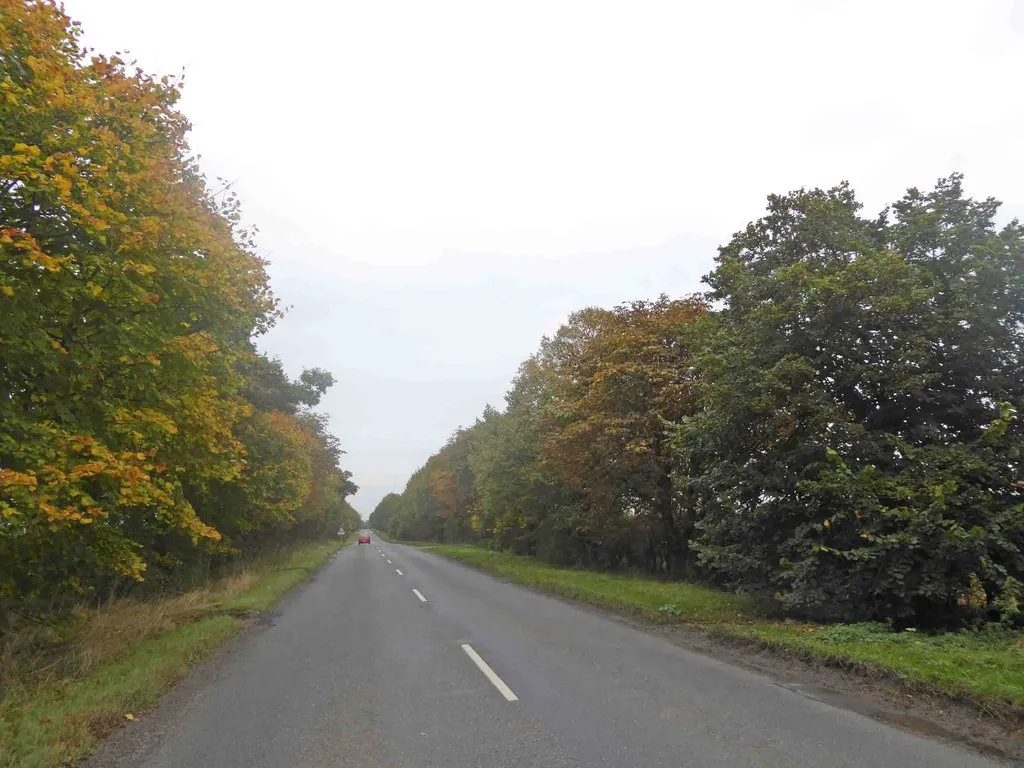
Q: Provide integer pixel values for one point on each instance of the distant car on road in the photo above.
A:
(364, 538)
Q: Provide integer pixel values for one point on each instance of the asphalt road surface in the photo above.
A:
(395, 657)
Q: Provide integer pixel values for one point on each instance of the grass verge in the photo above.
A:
(63, 690)
(984, 668)
(405, 542)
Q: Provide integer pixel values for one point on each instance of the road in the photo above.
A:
(395, 657)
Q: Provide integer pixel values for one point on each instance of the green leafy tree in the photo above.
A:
(437, 502)
(515, 495)
(385, 513)
(859, 449)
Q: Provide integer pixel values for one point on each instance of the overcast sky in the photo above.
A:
(439, 184)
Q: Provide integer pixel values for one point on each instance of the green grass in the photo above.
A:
(635, 595)
(417, 544)
(987, 667)
(281, 575)
(984, 667)
(405, 542)
(52, 727)
(121, 659)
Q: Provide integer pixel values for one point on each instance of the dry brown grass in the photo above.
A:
(237, 583)
(89, 637)
(66, 684)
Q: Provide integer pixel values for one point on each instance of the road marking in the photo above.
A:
(389, 562)
(399, 572)
(495, 680)
(419, 595)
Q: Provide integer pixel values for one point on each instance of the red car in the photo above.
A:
(364, 538)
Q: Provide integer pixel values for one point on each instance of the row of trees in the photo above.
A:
(833, 424)
(142, 437)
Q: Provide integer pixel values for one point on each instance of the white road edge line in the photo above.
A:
(399, 572)
(419, 595)
(496, 681)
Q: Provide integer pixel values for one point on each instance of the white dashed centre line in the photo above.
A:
(399, 572)
(496, 681)
(389, 562)
(419, 595)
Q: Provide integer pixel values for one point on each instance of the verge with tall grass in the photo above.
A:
(64, 685)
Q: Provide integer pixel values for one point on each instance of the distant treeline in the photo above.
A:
(833, 425)
(142, 437)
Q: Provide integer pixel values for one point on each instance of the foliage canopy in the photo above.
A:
(140, 431)
(840, 434)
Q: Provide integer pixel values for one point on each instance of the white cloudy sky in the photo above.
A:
(438, 184)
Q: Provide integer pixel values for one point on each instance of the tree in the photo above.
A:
(578, 468)
(129, 298)
(616, 378)
(385, 513)
(859, 451)
(513, 494)
(437, 501)
(268, 388)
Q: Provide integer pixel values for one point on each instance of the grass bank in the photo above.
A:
(404, 542)
(64, 688)
(986, 668)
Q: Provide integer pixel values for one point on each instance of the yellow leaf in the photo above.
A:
(11, 479)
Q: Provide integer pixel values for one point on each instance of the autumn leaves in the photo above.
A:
(142, 435)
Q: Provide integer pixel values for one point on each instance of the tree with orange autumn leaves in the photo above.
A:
(615, 378)
(129, 296)
(580, 456)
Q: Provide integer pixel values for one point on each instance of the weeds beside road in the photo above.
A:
(65, 687)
